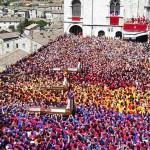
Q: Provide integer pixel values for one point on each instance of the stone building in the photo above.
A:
(123, 18)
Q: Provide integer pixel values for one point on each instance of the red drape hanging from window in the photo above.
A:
(114, 20)
(75, 18)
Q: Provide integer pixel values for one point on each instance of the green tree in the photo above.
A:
(22, 25)
(26, 22)
(31, 21)
(41, 23)
(11, 27)
(50, 1)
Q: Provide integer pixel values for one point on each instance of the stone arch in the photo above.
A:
(118, 34)
(76, 30)
(101, 33)
(142, 38)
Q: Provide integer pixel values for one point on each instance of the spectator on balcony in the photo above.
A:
(112, 13)
(117, 13)
(139, 20)
(132, 19)
(143, 19)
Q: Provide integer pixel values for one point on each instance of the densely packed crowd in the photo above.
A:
(111, 95)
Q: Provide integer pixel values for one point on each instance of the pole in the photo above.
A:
(92, 19)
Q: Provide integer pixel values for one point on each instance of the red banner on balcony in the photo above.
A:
(135, 27)
(75, 18)
(114, 20)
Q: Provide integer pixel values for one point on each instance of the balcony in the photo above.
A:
(135, 30)
(131, 27)
(115, 20)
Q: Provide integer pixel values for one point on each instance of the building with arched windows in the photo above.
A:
(121, 18)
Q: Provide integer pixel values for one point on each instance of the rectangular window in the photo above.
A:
(35, 47)
(76, 9)
(7, 45)
(23, 45)
(17, 45)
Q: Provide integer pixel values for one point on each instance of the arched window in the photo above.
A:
(115, 7)
(76, 8)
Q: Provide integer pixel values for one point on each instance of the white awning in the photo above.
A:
(133, 35)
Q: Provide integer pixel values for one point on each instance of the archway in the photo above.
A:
(142, 38)
(76, 30)
(118, 34)
(101, 33)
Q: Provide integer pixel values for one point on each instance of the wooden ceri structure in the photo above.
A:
(56, 110)
(63, 87)
(78, 69)
(68, 110)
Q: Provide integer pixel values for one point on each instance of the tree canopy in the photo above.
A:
(27, 22)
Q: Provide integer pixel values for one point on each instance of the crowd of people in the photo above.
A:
(137, 20)
(111, 96)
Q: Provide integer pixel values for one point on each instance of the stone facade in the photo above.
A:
(95, 15)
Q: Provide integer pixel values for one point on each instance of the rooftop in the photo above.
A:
(11, 58)
(56, 29)
(53, 11)
(46, 6)
(31, 26)
(25, 8)
(55, 4)
(38, 19)
(43, 37)
(57, 11)
(10, 35)
(11, 19)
